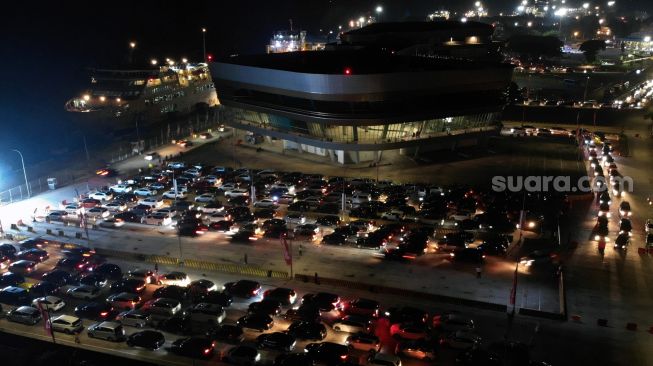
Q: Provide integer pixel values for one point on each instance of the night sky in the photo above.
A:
(46, 47)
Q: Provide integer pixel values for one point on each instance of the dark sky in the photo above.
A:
(46, 46)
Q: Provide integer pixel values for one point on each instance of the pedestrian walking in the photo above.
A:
(245, 258)
(478, 271)
(300, 250)
(317, 280)
(156, 268)
(77, 340)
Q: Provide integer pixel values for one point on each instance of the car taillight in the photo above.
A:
(207, 351)
(104, 313)
(343, 357)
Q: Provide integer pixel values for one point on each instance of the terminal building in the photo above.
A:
(357, 105)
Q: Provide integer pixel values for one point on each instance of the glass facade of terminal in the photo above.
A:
(368, 134)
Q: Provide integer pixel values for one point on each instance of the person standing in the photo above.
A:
(478, 271)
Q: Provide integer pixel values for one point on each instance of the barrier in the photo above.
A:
(631, 326)
(602, 322)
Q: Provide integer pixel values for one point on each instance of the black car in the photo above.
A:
(96, 311)
(180, 325)
(264, 213)
(222, 225)
(328, 352)
(495, 246)
(200, 288)
(243, 288)
(8, 250)
(171, 292)
(514, 353)
(149, 339)
(242, 355)
(276, 232)
(260, 322)
(216, 297)
(277, 341)
(11, 279)
(266, 306)
(622, 241)
(468, 255)
(32, 243)
(294, 359)
(43, 288)
(16, 296)
(406, 314)
(323, 300)
(328, 220)
(58, 277)
(109, 270)
(625, 226)
(34, 255)
(131, 285)
(372, 241)
(78, 264)
(308, 330)
(286, 296)
(194, 347)
(478, 357)
(335, 238)
(127, 198)
(226, 333)
(128, 217)
(93, 279)
(305, 312)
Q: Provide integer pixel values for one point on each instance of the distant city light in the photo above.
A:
(154, 61)
(132, 44)
(102, 98)
(86, 97)
(530, 24)
(561, 12)
(576, 34)
(647, 39)
(203, 30)
(379, 9)
(601, 21)
(477, 4)
(184, 60)
(209, 57)
(347, 71)
(361, 20)
(520, 8)
(118, 100)
(586, 5)
(611, 3)
(516, 24)
(463, 19)
(524, 2)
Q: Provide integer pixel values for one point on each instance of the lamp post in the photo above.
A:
(204, 43)
(379, 12)
(132, 45)
(22, 161)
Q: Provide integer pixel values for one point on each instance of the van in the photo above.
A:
(25, 315)
(110, 331)
(212, 314)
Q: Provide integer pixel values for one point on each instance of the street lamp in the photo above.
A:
(204, 42)
(132, 45)
(154, 62)
(22, 161)
(379, 10)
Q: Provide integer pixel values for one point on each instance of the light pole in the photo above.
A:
(204, 43)
(132, 45)
(22, 161)
(379, 12)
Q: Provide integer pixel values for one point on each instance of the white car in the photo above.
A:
(73, 208)
(67, 324)
(176, 165)
(171, 195)
(206, 197)
(236, 193)
(102, 196)
(159, 219)
(124, 300)
(116, 206)
(145, 192)
(352, 324)
(153, 202)
(121, 188)
(162, 307)
(152, 156)
(175, 278)
(168, 211)
(359, 198)
(97, 213)
(211, 179)
(288, 186)
(228, 186)
(51, 303)
(156, 186)
(266, 203)
(286, 198)
(219, 216)
(84, 292)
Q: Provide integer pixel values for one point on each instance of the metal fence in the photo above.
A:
(39, 185)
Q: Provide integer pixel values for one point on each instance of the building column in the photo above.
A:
(332, 155)
(379, 153)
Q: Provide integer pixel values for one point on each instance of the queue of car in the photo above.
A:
(114, 308)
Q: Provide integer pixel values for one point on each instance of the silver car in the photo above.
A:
(133, 318)
(25, 315)
(110, 331)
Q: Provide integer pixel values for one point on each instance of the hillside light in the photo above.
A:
(132, 45)
(184, 60)
(611, 3)
(154, 61)
(379, 9)
(586, 5)
(647, 39)
(86, 97)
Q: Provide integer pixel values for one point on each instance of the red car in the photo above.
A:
(409, 331)
(360, 306)
(91, 202)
